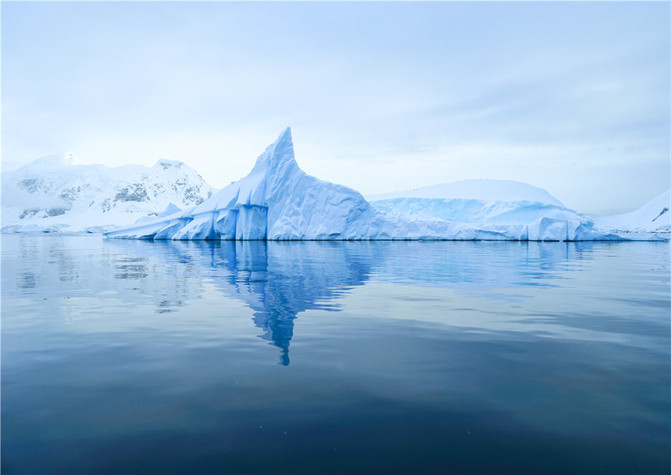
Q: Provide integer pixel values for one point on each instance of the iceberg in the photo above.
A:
(477, 189)
(477, 211)
(278, 201)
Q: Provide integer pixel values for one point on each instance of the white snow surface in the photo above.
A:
(57, 193)
(476, 211)
(278, 201)
(479, 189)
(654, 216)
(479, 202)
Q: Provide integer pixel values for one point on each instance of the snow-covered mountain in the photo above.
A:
(654, 216)
(278, 201)
(57, 193)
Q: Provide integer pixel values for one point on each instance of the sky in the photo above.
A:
(572, 97)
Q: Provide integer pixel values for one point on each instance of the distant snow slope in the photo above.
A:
(278, 201)
(481, 190)
(654, 216)
(56, 193)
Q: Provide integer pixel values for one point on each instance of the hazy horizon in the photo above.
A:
(569, 97)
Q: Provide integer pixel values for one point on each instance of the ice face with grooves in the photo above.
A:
(278, 201)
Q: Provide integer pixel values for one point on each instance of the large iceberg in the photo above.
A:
(278, 201)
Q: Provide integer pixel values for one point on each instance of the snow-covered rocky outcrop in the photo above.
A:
(56, 193)
(654, 216)
(278, 201)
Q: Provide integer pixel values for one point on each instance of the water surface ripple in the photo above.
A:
(341, 357)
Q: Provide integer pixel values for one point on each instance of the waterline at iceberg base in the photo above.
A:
(277, 201)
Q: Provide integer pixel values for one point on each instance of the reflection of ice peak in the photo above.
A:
(252, 283)
(278, 281)
(288, 281)
(278, 328)
(279, 153)
(281, 280)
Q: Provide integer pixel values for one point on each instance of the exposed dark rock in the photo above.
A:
(55, 211)
(31, 185)
(70, 194)
(191, 195)
(45, 213)
(132, 192)
(26, 213)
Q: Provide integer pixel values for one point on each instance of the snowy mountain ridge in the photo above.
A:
(58, 193)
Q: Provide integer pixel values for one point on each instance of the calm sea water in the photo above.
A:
(446, 357)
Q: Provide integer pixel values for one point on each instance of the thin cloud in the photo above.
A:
(568, 96)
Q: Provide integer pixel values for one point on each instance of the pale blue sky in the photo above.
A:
(571, 97)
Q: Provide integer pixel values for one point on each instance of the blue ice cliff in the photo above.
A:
(278, 201)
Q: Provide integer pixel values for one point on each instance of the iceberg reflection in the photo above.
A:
(276, 280)
(426, 368)
(279, 280)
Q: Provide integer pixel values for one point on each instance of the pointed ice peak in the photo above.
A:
(284, 145)
(279, 152)
(285, 135)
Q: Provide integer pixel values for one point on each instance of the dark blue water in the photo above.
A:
(408, 357)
